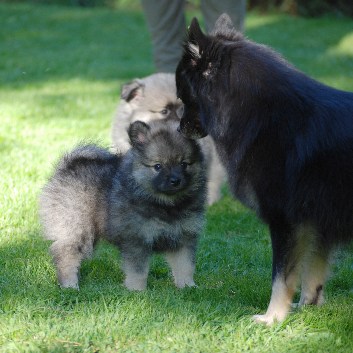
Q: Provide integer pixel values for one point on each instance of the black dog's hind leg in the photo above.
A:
(287, 258)
(315, 271)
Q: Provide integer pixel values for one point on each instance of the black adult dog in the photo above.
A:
(287, 143)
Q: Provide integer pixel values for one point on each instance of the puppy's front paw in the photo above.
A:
(67, 278)
(69, 286)
(133, 284)
(264, 319)
(185, 283)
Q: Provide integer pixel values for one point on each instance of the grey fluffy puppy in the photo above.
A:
(150, 199)
(154, 97)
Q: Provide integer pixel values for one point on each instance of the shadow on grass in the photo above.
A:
(231, 288)
(313, 45)
(233, 277)
(227, 281)
(48, 43)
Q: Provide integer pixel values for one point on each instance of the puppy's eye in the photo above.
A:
(184, 165)
(164, 111)
(157, 167)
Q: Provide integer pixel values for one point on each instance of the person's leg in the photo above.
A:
(212, 9)
(166, 23)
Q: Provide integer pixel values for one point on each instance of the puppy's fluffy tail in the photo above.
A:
(73, 202)
(87, 153)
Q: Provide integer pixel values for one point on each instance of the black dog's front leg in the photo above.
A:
(286, 258)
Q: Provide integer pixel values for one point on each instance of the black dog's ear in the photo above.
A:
(223, 24)
(132, 90)
(196, 40)
(195, 33)
(138, 133)
(224, 28)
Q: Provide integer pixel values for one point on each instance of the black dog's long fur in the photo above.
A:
(287, 143)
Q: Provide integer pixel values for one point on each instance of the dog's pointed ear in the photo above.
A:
(132, 90)
(224, 28)
(223, 22)
(138, 133)
(195, 33)
(196, 40)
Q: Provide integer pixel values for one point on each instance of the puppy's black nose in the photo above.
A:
(178, 128)
(175, 181)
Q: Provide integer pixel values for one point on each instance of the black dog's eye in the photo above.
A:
(184, 165)
(164, 111)
(157, 167)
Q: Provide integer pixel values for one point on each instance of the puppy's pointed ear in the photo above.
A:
(132, 90)
(196, 40)
(138, 133)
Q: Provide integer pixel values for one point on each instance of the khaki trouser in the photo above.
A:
(166, 23)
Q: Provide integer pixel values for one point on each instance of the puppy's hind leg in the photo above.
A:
(67, 258)
(182, 263)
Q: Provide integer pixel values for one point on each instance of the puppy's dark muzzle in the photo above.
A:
(175, 182)
(173, 186)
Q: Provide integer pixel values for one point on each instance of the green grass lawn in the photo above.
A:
(60, 75)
